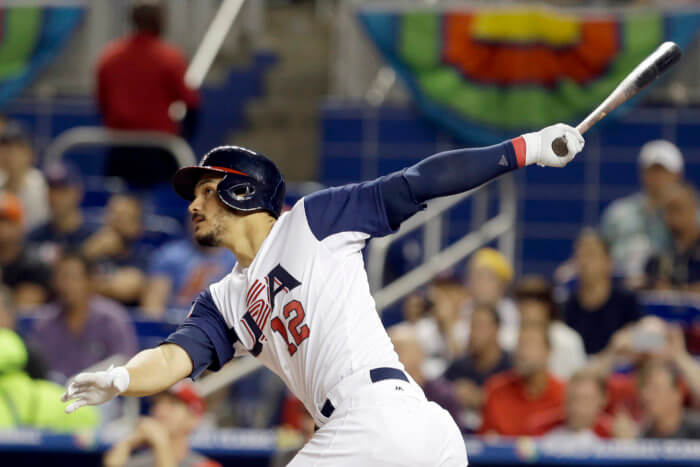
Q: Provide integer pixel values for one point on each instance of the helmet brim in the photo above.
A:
(186, 179)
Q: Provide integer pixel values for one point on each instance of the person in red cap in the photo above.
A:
(174, 414)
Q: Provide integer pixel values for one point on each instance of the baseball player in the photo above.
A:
(299, 300)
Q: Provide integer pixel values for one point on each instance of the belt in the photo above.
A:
(375, 375)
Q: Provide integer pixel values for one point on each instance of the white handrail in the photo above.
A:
(99, 136)
(232, 371)
(212, 41)
(501, 226)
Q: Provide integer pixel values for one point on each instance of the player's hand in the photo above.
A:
(538, 146)
(96, 388)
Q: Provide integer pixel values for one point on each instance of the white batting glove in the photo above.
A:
(96, 388)
(538, 146)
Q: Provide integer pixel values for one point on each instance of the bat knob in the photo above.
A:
(559, 146)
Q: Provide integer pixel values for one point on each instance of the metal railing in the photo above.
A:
(437, 259)
(99, 136)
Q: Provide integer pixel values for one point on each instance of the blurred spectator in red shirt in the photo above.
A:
(585, 400)
(527, 401)
(597, 307)
(22, 269)
(650, 338)
(18, 175)
(535, 300)
(139, 77)
(80, 329)
(120, 252)
(66, 229)
(679, 269)
(174, 415)
(484, 358)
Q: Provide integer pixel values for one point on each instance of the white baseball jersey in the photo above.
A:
(303, 307)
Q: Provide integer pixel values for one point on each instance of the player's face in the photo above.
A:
(207, 212)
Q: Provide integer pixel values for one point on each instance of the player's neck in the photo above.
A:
(247, 235)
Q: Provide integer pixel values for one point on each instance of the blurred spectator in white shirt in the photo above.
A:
(18, 176)
(634, 226)
(438, 333)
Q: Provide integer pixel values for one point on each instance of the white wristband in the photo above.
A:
(120, 378)
(533, 141)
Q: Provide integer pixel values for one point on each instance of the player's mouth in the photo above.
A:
(197, 218)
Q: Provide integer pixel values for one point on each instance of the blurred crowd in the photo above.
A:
(578, 355)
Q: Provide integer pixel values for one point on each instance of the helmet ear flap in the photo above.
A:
(241, 191)
(238, 192)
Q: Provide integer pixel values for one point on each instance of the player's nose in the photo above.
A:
(194, 206)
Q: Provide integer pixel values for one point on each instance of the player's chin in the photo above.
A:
(205, 238)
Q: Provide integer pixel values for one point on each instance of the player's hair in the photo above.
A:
(537, 288)
(491, 311)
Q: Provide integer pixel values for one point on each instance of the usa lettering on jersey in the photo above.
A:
(259, 311)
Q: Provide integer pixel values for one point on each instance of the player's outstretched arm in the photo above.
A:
(148, 372)
(452, 172)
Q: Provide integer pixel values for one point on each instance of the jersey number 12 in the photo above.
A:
(297, 329)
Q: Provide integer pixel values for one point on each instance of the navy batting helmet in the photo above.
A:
(251, 182)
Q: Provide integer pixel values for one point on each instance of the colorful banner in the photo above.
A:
(488, 73)
(30, 38)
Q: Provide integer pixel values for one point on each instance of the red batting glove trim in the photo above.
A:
(520, 149)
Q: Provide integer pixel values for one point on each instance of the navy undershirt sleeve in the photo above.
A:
(443, 174)
(357, 207)
(205, 336)
(379, 206)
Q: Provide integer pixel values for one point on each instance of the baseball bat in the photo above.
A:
(660, 60)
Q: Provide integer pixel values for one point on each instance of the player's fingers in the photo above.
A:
(76, 405)
(71, 390)
(84, 378)
(574, 141)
